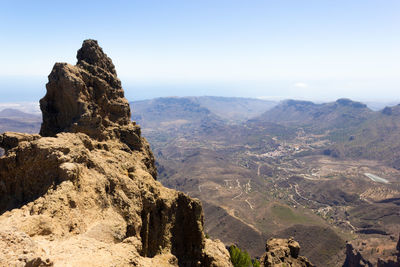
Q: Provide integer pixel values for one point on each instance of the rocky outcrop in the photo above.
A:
(354, 258)
(283, 252)
(9, 140)
(393, 261)
(216, 252)
(84, 193)
(87, 98)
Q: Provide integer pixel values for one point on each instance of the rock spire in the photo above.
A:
(84, 193)
(87, 97)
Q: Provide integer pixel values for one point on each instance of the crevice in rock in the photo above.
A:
(187, 232)
(25, 181)
(153, 229)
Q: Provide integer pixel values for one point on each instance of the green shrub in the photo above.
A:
(256, 263)
(241, 258)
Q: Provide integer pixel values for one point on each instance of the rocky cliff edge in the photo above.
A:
(84, 191)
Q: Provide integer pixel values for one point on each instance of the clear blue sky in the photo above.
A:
(317, 49)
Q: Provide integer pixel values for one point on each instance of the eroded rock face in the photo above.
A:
(84, 193)
(283, 252)
(9, 140)
(355, 257)
(87, 97)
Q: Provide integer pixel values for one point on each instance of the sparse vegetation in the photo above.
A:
(240, 258)
(256, 263)
(281, 174)
(286, 214)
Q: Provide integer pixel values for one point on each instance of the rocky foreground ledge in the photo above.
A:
(283, 252)
(84, 191)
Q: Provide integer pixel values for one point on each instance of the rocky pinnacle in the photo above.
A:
(87, 97)
(84, 191)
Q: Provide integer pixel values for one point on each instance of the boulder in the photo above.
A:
(283, 252)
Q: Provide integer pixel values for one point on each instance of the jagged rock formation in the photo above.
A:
(283, 252)
(87, 98)
(84, 193)
(355, 259)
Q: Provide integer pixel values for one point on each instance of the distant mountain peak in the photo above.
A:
(292, 102)
(12, 112)
(349, 102)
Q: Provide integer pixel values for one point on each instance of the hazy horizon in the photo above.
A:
(32, 89)
(33, 106)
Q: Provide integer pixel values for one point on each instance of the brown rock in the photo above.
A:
(92, 54)
(38, 262)
(9, 140)
(394, 261)
(283, 252)
(216, 254)
(354, 258)
(86, 98)
(85, 193)
(294, 248)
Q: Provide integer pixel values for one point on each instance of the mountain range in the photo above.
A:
(323, 173)
(295, 168)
